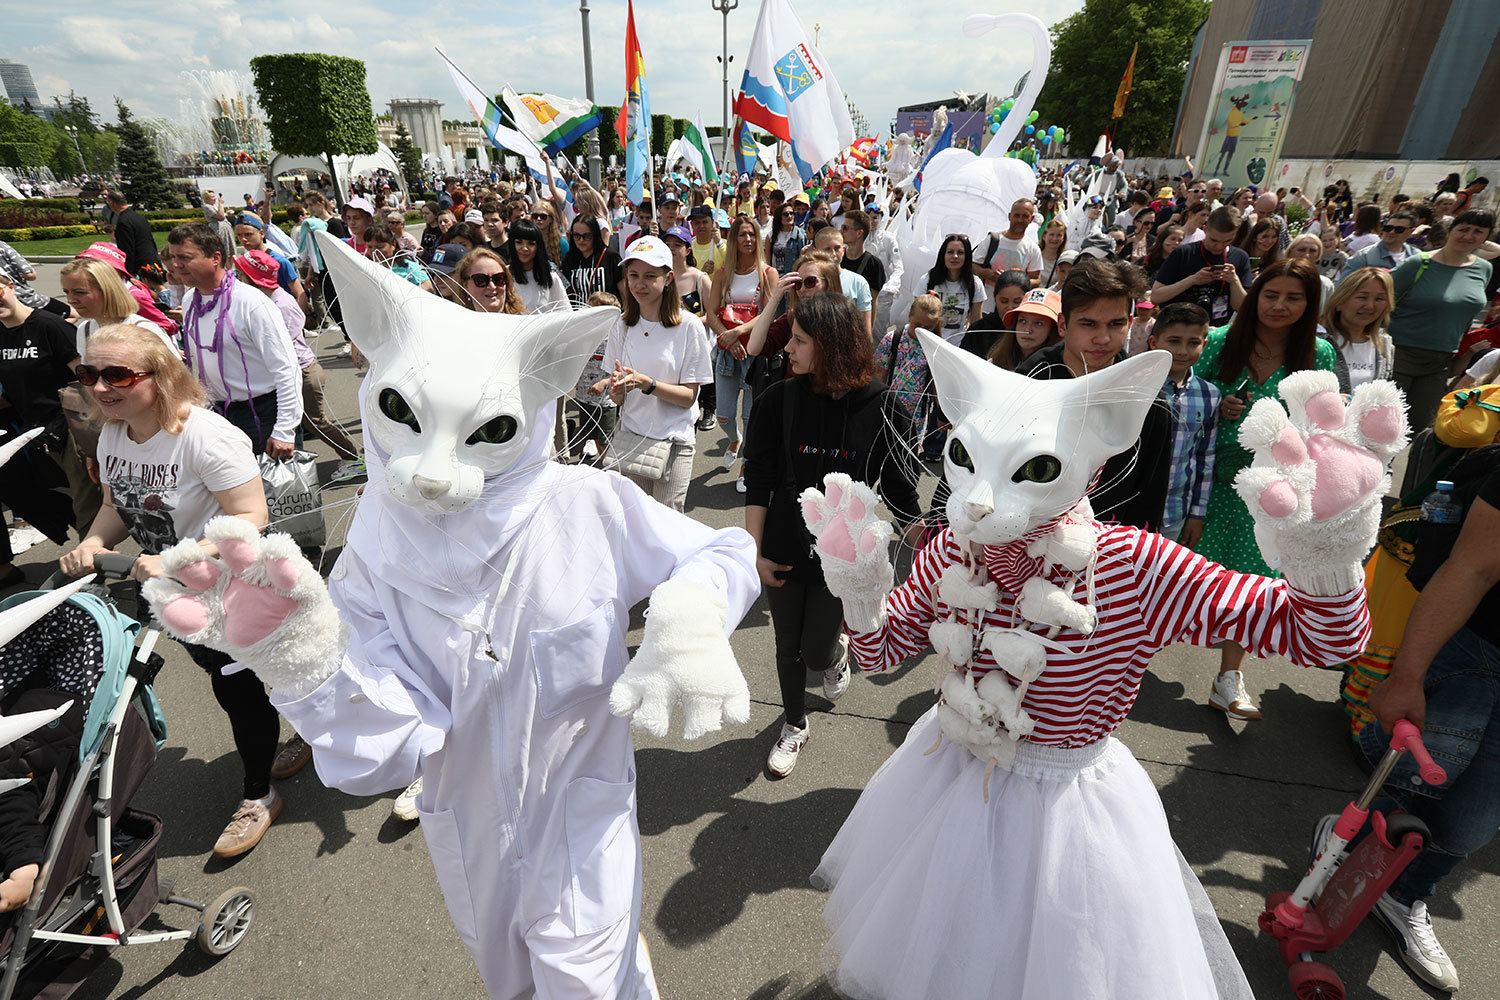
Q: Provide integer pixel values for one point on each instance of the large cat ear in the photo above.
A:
(562, 343)
(370, 297)
(1116, 399)
(961, 378)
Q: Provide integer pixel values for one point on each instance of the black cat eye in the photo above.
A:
(398, 409)
(1041, 469)
(959, 455)
(496, 431)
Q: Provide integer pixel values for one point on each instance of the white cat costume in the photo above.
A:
(1011, 848)
(477, 626)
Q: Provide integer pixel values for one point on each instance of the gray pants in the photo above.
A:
(1423, 376)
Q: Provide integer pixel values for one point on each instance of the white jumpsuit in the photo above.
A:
(483, 647)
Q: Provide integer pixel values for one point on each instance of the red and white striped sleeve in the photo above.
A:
(909, 612)
(1187, 598)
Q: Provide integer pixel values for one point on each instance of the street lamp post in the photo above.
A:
(83, 166)
(595, 160)
(724, 7)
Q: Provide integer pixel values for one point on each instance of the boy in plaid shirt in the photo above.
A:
(1182, 329)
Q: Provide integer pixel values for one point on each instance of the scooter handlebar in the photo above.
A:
(1407, 737)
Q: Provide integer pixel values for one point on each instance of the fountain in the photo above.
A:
(217, 122)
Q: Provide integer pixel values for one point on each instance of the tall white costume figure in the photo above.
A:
(1012, 849)
(475, 634)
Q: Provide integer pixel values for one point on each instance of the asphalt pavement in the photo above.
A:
(347, 905)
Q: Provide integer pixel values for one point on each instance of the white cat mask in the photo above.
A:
(454, 396)
(1023, 451)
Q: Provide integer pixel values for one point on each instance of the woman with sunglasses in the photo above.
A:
(786, 240)
(168, 465)
(38, 351)
(590, 265)
(485, 285)
(1138, 240)
(546, 217)
(537, 281)
(738, 294)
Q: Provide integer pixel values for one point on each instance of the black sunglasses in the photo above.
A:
(541, 216)
(582, 234)
(1394, 229)
(113, 375)
(484, 280)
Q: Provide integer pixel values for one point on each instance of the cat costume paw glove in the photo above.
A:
(853, 546)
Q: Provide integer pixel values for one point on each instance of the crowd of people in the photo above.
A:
(757, 321)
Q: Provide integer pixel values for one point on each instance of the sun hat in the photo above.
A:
(649, 250)
(363, 204)
(682, 233)
(108, 253)
(1039, 302)
(260, 267)
(722, 219)
(446, 257)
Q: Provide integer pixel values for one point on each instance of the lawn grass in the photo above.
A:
(70, 246)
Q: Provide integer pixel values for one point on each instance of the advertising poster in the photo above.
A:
(968, 126)
(1248, 109)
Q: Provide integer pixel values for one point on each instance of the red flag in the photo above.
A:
(632, 70)
(1125, 83)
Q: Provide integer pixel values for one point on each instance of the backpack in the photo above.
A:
(1434, 542)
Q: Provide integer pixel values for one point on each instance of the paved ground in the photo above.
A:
(347, 905)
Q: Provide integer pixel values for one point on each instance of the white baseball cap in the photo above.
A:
(649, 250)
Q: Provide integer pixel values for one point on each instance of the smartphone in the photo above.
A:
(1242, 391)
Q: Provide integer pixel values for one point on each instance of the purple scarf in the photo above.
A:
(199, 307)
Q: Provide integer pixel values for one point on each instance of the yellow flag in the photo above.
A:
(1125, 82)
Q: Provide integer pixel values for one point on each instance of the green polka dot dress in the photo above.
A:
(1228, 530)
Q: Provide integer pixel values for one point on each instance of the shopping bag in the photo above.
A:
(294, 498)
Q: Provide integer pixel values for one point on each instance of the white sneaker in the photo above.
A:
(730, 457)
(784, 754)
(1230, 697)
(836, 678)
(590, 449)
(344, 351)
(1416, 944)
(405, 806)
(739, 485)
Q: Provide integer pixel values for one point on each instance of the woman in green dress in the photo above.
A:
(1274, 334)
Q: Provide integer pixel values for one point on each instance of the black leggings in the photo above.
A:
(255, 724)
(808, 621)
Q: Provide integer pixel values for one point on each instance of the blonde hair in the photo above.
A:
(1312, 238)
(828, 270)
(552, 235)
(466, 266)
(719, 288)
(927, 312)
(118, 303)
(177, 391)
(1345, 291)
(1058, 223)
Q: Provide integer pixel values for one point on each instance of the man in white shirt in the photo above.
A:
(1012, 250)
(236, 343)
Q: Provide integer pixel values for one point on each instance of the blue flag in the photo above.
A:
(941, 143)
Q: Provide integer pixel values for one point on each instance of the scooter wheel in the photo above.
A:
(1315, 981)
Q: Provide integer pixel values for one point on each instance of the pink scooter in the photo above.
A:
(1342, 886)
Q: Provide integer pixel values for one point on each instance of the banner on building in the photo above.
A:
(1248, 110)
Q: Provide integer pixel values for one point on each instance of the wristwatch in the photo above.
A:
(649, 389)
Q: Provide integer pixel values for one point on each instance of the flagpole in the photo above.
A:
(596, 162)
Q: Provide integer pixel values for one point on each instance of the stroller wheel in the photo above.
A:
(1315, 981)
(226, 921)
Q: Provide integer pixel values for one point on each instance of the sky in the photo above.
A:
(884, 54)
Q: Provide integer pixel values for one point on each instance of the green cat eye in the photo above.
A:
(398, 409)
(959, 455)
(1041, 469)
(497, 431)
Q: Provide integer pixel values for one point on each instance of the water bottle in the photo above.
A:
(1440, 507)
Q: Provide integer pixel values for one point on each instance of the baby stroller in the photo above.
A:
(98, 881)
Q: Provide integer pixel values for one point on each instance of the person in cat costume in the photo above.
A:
(473, 632)
(1011, 848)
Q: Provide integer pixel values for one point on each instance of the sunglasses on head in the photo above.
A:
(484, 280)
(114, 375)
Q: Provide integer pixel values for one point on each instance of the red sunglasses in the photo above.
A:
(117, 376)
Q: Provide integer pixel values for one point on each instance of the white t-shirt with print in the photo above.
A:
(163, 488)
(676, 355)
(956, 307)
(1479, 369)
(1023, 254)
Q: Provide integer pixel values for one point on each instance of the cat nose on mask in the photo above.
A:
(431, 489)
(977, 511)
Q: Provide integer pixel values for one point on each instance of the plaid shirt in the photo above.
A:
(1195, 422)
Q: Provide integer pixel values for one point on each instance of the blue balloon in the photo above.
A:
(1030, 129)
(994, 127)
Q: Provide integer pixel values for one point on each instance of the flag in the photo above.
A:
(1125, 83)
(698, 139)
(634, 123)
(491, 120)
(789, 179)
(553, 123)
(746, 152)
(789, 90)
(939, 144)
(862, 150)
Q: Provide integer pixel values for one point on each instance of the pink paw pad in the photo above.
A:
(1289, 448)
(1381, 425)
(868, 540)
(283, 573)
(856, 508)
(184, 615)
(1326, 410)
(238, 553)
(810, 512)
(251, 613)
(1279, 499)
(834, 495)
(836, 539)
(1346, 476)
(200, 575)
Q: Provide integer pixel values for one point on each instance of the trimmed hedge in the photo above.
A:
(45, 233)
(56, 204)
(181, 214)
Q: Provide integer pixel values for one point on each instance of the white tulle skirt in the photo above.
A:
(1065, 884)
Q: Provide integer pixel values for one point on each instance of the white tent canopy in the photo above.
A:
(346, 167)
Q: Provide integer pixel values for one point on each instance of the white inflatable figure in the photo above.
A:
(474, 626)
(902, 164)
(1051, 833)
(967, 193)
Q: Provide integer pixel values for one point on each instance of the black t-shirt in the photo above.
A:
(981, 337)
(1188, 260)
(133, 237)
(34, 360)
(1485, 622)
(583, 276)
(868, 266)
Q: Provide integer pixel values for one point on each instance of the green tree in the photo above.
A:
(609, 139)
(316, 105)
(1089, 52)
(25, 140)
(409, 157)
(661, 134)
(144, 179)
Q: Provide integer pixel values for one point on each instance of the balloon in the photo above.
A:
(994, 127)
(1046, 139)
(1031, 117)
(1059, 136)
(1030, 129)
(1008, 103)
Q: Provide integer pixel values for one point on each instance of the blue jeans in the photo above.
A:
(731, 383)
(1463, 735)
